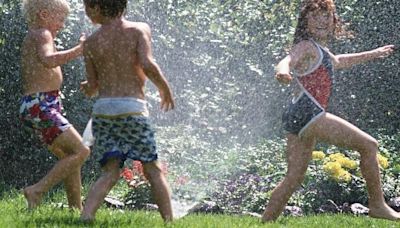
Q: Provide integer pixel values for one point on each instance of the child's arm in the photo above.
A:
(91, 86)
(283, 70)
(49, 56)
(152, 70)
(348, 60)
(298, 59)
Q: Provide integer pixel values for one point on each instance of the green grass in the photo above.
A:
(13, 213)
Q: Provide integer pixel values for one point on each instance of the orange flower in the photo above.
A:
(137, 168)
(127, 174)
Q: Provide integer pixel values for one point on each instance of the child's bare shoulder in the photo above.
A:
(39, 35)
(36, 38)
(304, 46)
(140, 27)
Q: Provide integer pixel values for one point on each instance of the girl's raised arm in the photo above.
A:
(348, 60)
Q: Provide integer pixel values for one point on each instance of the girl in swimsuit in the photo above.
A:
(307, 121)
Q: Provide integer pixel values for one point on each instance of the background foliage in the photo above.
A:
(219, 58)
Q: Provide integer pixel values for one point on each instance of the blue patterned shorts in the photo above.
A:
(124, 137)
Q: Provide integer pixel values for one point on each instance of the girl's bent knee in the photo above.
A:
(371, 146)
(294, 179)
(374, 144)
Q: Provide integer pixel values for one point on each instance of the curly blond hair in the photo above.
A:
(31, 8)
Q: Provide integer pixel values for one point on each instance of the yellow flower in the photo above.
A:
(383, 161)
(318, 155)
(343, 160)
(332, 168)
(342, 175)
(348, 163)
(336, 156)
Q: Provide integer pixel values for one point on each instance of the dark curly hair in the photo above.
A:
(308, 6)
(108, 8)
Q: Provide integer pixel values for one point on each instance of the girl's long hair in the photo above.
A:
(308, 6)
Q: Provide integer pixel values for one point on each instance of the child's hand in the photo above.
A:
(284, 78)
(82, 38)
(384, 51)
(167, 102)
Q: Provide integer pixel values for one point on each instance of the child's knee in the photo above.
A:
(112, 171)
(373, 145)
(114, 176)
(295, 178)
(370, 147)
(152, 170)
(84, 152)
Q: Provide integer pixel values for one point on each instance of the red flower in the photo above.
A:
(127, 174)
(137, 168)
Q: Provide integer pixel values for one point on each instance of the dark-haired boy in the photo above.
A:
(118, 60)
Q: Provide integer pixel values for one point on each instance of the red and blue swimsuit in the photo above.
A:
(316, 86)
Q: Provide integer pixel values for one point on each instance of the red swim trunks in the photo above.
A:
(42, 112)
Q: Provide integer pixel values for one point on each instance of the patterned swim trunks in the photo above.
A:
(42, 113)
(124, 137)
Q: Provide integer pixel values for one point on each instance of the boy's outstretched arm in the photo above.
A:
(152, 70)
(47, 53)
(348, 60)
(91, 85)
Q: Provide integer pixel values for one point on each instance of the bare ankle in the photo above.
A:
(168, 219)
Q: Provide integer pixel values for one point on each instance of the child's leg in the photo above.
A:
(298, 155)
(334, 130)
(99, 190)
(70, 142)
(73, 187)
(159, 188)
(72, 184)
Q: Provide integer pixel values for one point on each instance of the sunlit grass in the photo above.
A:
(50, 214)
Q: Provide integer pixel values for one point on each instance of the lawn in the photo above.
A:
(53, 214)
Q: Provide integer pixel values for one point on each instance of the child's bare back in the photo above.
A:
(114, 51)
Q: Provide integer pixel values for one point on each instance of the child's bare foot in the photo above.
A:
(384, 212)
(267, 217)
(32, 197)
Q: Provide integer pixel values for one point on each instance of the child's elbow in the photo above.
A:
(149, 67)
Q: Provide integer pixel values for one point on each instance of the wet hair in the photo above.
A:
(108, 8)
(308, 6)
(31, 8)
